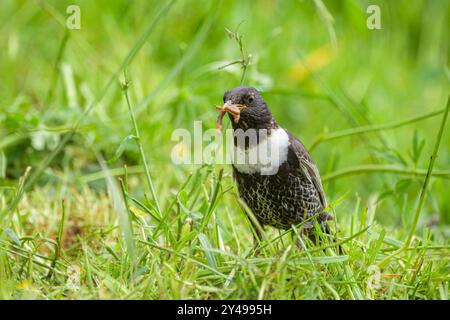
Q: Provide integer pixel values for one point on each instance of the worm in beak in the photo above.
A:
(231, 108)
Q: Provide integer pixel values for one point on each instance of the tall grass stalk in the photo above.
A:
(120, 206)
(374, 168)
(245, 59)
(359, 169)
(372, 128)
(139, 145)
(426, 183)
(54, 77)
(423, 190)
(58, 240)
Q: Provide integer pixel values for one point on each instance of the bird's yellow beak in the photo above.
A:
(231, 105)
(232, 108)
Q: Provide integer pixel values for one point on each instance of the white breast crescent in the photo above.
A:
(266, 157)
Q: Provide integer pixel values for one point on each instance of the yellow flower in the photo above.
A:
(24, 284)
(316, 60)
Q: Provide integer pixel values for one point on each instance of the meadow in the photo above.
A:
(93, 207)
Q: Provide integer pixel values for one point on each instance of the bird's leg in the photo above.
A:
(325, 227)
(299, 245)
(306, 230)
(257, 235)
(298, 242)
(313, 235)
(257, 238)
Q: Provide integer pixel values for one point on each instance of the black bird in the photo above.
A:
(285, 190)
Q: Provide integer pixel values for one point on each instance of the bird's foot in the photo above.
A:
(299, 245)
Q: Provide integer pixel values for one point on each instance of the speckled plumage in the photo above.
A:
(287, 197)
(294, 192)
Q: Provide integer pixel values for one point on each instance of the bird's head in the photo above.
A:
(253, 110)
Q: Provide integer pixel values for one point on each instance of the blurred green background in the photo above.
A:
(319, 71)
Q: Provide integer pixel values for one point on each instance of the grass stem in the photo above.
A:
(371, 168)
(423, 191)
(140, 147)
(371, 128)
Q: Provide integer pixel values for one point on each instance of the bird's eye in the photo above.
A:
(250, 99)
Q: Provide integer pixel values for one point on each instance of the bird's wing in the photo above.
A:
(307, 167)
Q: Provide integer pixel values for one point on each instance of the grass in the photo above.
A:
(91, 206)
